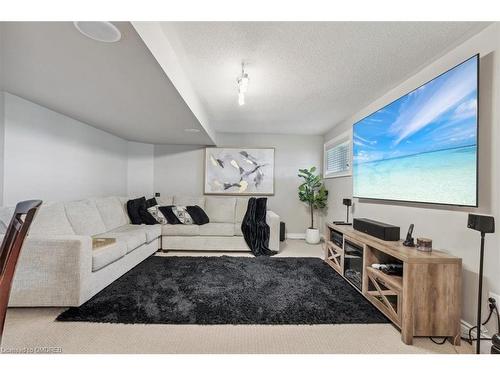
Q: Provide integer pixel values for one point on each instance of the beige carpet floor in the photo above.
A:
(34, 330)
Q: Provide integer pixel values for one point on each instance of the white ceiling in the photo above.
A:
(305, 77)
(118, 87)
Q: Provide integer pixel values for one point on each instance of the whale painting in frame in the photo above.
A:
(239, 171)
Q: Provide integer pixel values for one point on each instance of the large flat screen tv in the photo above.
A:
(423, 146)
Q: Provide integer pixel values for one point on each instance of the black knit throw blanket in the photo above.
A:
(255, 229)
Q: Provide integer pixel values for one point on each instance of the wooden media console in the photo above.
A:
(424, 301)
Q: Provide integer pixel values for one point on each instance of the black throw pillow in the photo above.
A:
(151, 202)
(146, 216)
(199, 216)
(133, 207)
(169, 214)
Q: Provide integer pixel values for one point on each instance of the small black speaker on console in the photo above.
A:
(386, 232)
(481, 223)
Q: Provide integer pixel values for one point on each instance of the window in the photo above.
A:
(338, 156)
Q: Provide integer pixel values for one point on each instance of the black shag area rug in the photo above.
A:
(228, 290)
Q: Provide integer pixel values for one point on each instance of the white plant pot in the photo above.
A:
(312, 236)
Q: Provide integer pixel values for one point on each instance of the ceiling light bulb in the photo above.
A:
(243, 83)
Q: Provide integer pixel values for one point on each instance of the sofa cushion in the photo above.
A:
(133, 207)
(241, 209)
(84, 217)
(111, 211)
(50, 220)
(123, 201)
(217, 229)
(189, 201)
(180, 230)
(107, 255)
(220, 210)
(237, 230)
(152, 232)
(132, 235)
(165, 200)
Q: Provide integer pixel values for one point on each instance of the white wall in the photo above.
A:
(2, 126)
(179, 170)
(2, 138)
(140, 169)
(447, 226)
(53, 157)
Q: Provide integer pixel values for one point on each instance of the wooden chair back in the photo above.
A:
(10, 250)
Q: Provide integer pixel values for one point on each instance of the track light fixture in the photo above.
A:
(242, 82)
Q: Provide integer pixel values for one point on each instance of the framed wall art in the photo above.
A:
(239, 171)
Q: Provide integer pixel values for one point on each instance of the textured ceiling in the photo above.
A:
(117, 87)
(304, 77)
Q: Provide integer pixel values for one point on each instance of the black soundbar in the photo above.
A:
(386, 232)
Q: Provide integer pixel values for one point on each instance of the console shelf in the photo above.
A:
(384, 291)
(424, 301)
(394, 282)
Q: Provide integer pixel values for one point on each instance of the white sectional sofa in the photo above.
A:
(59, 267)
(224, 230)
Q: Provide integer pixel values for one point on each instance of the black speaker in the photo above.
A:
(481, 223)
(347, 202)
(386, 232)
(282, 231)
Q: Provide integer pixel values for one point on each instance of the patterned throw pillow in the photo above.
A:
(157, 214)
(169, 214)
(182, 215)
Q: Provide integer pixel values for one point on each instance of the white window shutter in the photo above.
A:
(338, 157)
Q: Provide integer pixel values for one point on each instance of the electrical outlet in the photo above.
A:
(496, 297)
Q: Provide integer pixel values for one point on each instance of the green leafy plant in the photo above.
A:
(312, 191)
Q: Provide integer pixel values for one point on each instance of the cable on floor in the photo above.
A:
(493, 308)
(438, 342)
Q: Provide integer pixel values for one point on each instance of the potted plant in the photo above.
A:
(312, 191)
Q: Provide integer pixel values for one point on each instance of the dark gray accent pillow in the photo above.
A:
(198, 215)
(133, 207)
(146, 217)
(151, 202)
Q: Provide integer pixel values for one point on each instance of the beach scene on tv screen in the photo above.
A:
(423, 146)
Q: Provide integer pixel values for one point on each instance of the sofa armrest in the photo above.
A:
(273, 221)
(52, 271)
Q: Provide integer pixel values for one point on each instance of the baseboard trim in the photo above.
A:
(296, 236)
(301, 236)
(464, 330)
